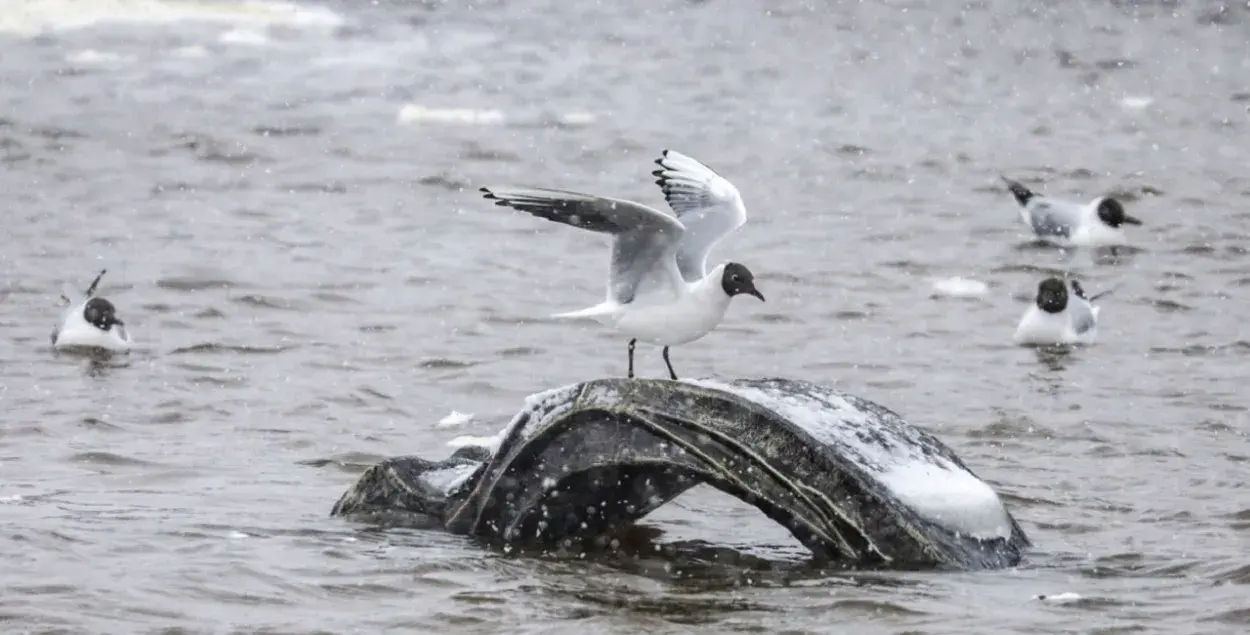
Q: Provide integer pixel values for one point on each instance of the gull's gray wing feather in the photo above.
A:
(645, 239)
(707, 204)
(1083, 313)
(1083, 318)
(1052, 218)
(1046, 216)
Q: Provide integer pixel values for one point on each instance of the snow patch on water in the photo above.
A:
(958, 287)
(1062, 598)
(416, 114)
(190, 52)
(92, 57)
(244, 37)
(456, 418)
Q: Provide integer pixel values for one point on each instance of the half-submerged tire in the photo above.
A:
(849, 478)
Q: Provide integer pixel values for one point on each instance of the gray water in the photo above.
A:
(314, 283)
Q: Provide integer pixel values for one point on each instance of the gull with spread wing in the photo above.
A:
(659, 290)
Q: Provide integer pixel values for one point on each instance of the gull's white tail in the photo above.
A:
(595, 312)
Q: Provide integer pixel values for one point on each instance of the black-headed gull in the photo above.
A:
(90, 322)
(1059, 315)
(1099, 222)
(658, 288)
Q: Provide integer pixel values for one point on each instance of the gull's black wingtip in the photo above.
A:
(1021, 193)
(662, 179)
(490, 195)
(96, 283)
(664, 183)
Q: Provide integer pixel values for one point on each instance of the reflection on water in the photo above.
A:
(1053, 357)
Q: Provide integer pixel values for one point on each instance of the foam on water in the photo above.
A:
(931, 485)
(26, 18)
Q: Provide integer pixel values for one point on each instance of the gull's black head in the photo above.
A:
(737, 280)
(1111, 212)
(1052, 295)
(100, 313)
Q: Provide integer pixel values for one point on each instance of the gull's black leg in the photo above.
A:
(669, 364)
(631, 357)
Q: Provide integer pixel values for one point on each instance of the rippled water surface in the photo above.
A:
(286, 203)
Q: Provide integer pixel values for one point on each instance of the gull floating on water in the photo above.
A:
(659, 290)
(1059, 315)
(90, 322)
(1071, 224)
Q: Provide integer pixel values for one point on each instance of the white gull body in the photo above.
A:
(1077, 323)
